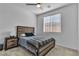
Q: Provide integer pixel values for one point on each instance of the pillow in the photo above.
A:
(23, 35)
(29, 34)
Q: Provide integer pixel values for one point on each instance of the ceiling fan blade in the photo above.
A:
(34, 4)
(31, 4)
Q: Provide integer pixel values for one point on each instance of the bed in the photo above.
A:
(37, 45)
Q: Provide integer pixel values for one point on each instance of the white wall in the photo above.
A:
(78, 26)
(12, 15)
(69, 33)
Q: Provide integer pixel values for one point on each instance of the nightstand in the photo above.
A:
(10, 42)
(1, 46)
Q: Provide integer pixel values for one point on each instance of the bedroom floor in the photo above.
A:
(57, 51)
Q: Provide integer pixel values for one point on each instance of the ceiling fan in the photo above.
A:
(38, 5)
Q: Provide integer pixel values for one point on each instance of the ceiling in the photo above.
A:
(45, 7)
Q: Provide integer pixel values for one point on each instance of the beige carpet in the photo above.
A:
(57, 51)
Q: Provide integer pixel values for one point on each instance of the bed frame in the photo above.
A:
(23, 29)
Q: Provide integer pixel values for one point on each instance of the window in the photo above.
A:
(52, 23)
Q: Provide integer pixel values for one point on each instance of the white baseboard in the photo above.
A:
(76, 49)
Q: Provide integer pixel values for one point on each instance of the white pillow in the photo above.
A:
(23, 35)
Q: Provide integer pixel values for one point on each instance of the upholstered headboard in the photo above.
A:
(24, 29)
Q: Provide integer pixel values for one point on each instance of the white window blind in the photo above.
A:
(52, 23)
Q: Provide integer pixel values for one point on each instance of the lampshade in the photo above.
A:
(12, 34)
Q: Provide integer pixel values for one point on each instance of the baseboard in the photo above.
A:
(67, 47)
